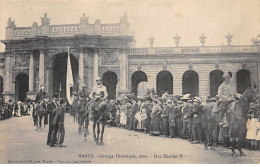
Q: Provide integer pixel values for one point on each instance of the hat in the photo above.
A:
(98, 79)
(189, 101)
(55, 95)
(62, 101)
(140, 98)
(149, 99)
(129, 101)
(213, 99)
(186, 97)
(226, 75)
(169, 101)
(84, 86)
(197, 99)
(179, 102)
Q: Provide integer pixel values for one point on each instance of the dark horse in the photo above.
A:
(236, 119)
(101, 115)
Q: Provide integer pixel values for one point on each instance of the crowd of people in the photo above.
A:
(179, 117)
(14, 108)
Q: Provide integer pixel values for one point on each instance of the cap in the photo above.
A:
(84, 85)
(190, 101)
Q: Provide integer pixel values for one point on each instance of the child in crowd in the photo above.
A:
(258, 133)
(251, 130)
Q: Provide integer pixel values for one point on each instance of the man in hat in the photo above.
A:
(197, 121)
(225, 95)
(40, 95)
(172, 120)
(178, 118)
(165, 117)
(133, 111)
(187, 103)
(99, 92)
(59, 123)
(50, 108)
(148, 110)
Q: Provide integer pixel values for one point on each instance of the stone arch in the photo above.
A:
(215, 81)
(164, 82)
(109, 80)
(58, 73)
(21, 86)
(1, 86)
(136, 78)
(190, 83)
(243, 80)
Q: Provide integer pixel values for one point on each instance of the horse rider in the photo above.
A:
(40, 95)
(99, 92)
(225, 95)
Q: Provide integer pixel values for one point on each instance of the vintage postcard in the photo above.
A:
(129, 82)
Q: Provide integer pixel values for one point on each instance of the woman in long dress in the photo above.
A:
(155, 122)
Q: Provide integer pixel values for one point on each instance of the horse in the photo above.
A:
(236, 119)
(100, 115)
(40, 113)
(82, 116)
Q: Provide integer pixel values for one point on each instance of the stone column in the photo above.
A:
(81, 69)
(41, 69)
(123, 66)
(8, 77)
(31, 73)
(95, 67)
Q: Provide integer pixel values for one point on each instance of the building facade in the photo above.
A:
(37, 56)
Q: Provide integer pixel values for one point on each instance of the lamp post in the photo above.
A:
(78, 83)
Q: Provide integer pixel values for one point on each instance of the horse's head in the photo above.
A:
(250, 93)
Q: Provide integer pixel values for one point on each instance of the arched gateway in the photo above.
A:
(110, 81)
(243, 80)
(21, 86)
(60, 71)
(164, 82)
(137, 77)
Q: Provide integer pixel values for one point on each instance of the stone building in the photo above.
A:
(37, 55)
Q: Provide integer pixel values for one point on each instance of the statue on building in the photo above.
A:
(84, 19)
(124, 19)
(10, 23)
(45, 20)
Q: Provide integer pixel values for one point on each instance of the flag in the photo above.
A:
(69, 81)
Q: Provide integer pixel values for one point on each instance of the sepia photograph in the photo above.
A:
(129, 82)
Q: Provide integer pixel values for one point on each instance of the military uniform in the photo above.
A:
(224, 93)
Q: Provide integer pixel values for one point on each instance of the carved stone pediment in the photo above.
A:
(22, 60)
(108, 57)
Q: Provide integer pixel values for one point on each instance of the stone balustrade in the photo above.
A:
(195, 50)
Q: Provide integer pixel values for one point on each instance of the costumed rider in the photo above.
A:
(225, 95)
(41, 95)
(99, 92)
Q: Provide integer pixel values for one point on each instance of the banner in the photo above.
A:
(69, 81)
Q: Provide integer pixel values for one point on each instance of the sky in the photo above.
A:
(160, 18)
